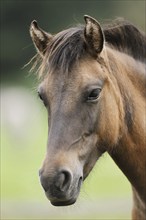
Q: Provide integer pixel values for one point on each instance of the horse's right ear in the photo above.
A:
(94, 36)
(39, 37)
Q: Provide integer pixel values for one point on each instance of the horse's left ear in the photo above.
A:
(39, 37)
(94, 36)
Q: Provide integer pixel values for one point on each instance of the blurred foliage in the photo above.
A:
(53, 16)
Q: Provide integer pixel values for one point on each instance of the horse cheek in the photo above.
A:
(109, 122)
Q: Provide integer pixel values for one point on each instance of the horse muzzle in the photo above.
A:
(62, 188)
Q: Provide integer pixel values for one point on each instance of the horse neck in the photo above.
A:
(130, 152)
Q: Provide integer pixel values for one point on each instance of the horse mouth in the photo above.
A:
(59, 199)
(63, 203)
(66, 196)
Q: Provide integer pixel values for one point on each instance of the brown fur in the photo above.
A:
(116, 124)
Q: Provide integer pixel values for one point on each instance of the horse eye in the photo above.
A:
(40, 96)
(43, 98)
(93, 95)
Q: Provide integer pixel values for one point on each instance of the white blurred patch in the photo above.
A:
(20, 112)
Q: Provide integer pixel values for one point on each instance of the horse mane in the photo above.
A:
(69, 46)
(126, 38)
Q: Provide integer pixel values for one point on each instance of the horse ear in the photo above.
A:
(94, 36)
(39, 37)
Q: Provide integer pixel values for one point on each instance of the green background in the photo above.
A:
(106, 194)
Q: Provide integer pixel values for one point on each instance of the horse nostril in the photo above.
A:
(63, 180)
(44, 183)
(80, 181)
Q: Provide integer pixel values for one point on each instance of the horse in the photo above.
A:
(93, 84)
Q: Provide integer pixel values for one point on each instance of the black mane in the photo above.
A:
(126, 38)
(69, 46)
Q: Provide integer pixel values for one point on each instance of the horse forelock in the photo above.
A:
(66, 48)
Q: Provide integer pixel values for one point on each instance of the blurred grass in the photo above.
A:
(22, 152)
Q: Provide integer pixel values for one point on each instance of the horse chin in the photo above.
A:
(61, 200)
(63, 203)
(55, 201)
